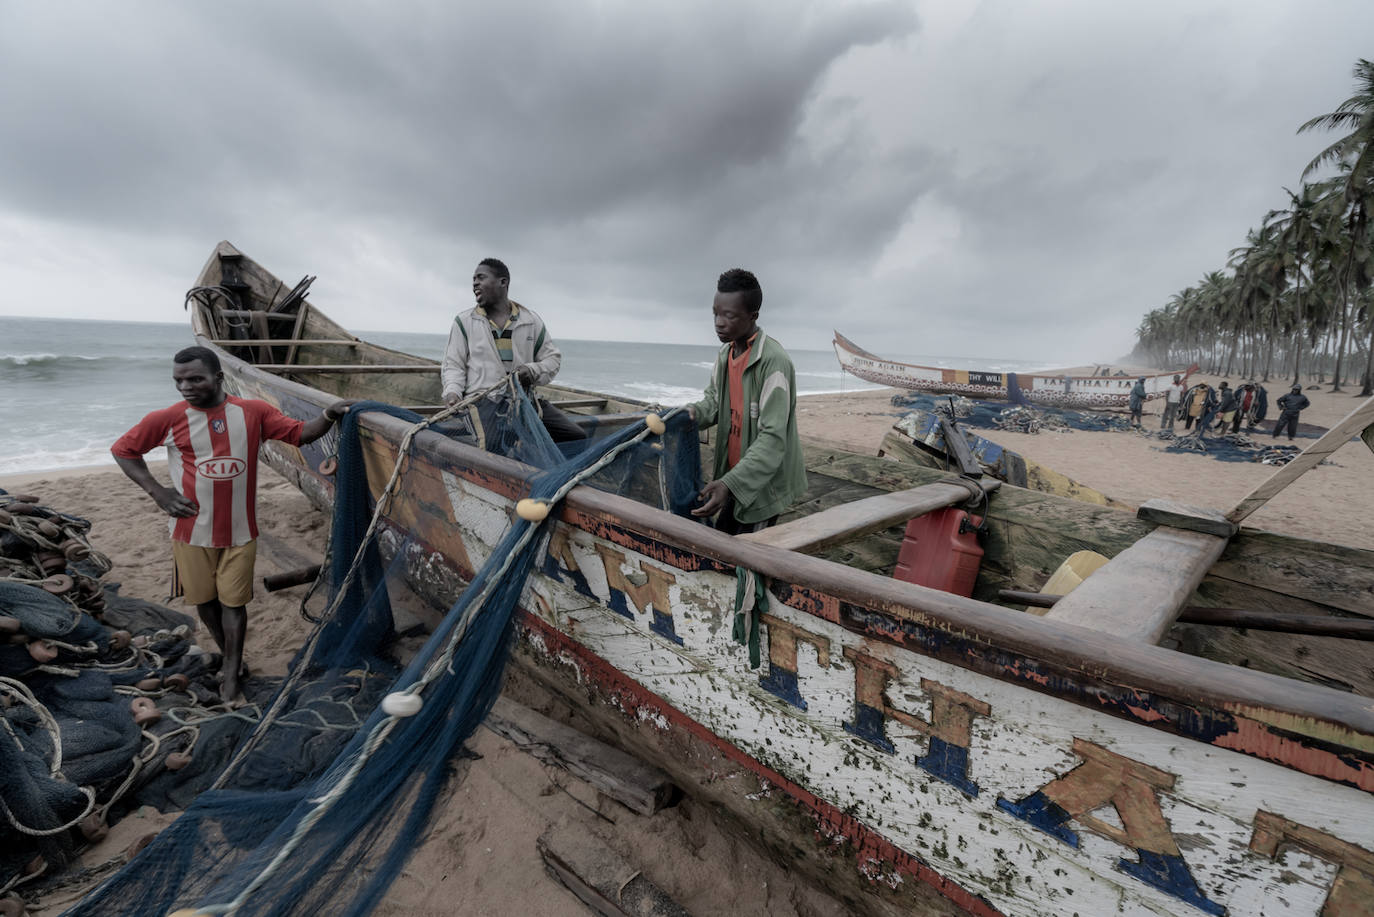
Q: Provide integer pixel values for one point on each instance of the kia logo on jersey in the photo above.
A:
(221, 468)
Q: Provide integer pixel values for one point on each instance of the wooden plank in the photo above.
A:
(579, 403)
(271, 316)
(636, 785)
(600, 877)
(842, 523)
(1351, 425)
(1139, 593)
(348, 368)
(1183, 516)
(296, 331)
(281, 341)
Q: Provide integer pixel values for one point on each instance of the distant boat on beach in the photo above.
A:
(1049, 386)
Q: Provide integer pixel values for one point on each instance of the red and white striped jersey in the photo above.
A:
(212, 456)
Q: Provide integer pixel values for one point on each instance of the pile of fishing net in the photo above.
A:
(954, 406)
(1231, 447)
(321, 804)
(105, 703)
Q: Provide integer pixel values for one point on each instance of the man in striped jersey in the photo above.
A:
(498, 338)
(212, 441)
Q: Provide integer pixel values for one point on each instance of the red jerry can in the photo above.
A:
(941, 551)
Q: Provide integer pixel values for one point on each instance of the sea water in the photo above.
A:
(68, 389)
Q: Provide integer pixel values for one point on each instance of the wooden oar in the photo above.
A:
(1139, 593)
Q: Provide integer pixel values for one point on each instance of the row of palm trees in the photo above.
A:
(1298, 296)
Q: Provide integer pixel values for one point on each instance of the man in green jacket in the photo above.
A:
(758, 470)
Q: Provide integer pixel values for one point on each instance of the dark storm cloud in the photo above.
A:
(995, 178)
(509, 118)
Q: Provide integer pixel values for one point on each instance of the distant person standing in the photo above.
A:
(212, 441)
(1245, 405)
(496, 338)
(1137, 401)
(1198, 402)
(1290, 406)
(1260, 410)
(1173, 400)
(758, 470)
(1226, 406)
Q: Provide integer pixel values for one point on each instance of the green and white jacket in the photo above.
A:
(771, 473)
(472, 363)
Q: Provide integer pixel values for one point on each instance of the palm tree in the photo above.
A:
(1356, 149)
(1299, 228)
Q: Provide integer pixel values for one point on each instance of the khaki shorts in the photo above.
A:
(1226, 416)
(216, 573)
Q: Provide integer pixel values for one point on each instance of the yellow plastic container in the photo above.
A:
(1077, 567)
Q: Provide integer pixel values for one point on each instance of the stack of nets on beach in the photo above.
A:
(322, 803)
(104, 700)
(1225, 447)
(1231, 447)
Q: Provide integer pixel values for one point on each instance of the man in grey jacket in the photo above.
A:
(497, 338)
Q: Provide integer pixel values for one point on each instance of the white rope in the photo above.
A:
(21, 690)
(22, 828)
(436, 668)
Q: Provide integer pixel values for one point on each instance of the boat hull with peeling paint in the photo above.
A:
(913, 751)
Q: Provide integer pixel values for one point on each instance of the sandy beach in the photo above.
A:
(481, 857)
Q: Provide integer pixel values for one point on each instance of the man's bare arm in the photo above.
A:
(321, 425)
(167, 499)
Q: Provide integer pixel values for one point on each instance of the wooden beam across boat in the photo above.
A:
(1139, 593)
(579, 403)
(349, 368)
(283, 342)
(861, 517)
(247, 313)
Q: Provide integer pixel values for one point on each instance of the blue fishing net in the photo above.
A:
(325, 799)
(1248, 445)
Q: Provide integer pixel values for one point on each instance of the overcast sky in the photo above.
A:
(999, 179)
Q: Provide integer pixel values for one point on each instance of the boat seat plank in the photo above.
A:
(579, 403)
(841, 523)
(1183, 516)
(273, 316)
(1139, 593)
(283, 342)
(353, 368)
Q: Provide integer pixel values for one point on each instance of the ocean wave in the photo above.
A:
(661, 393)
(53, 459)
(56, 360)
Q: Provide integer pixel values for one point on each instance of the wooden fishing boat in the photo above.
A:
(1048, 386)
(913, 751)
(927, 438)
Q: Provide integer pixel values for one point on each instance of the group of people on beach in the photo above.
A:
(1217, 409)
(212, 438)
